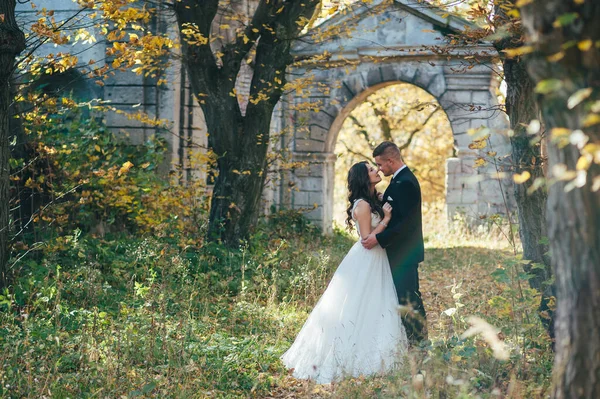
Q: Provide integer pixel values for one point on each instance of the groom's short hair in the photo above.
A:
(387, 149)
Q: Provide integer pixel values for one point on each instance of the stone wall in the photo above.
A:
(356, 69)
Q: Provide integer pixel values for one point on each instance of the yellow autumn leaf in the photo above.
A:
(515, 52)
(591, 119)
(584, 162)
(521, 178)
(594, 150)
(479, 162)
(585, 45)
(246, 40)
(478, 145)
(225, 26)
(125, 168)
(559, 132)
(521, 3)
(556, 57)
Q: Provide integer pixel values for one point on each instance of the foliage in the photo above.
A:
(140, 315)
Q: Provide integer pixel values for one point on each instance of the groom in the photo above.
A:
(403, 238)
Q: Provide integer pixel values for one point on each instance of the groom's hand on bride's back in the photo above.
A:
(369, 241)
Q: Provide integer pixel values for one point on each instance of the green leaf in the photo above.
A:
(565, 19)
(548, 86)
(148, 387)
(500, 275)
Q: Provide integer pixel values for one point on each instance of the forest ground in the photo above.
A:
(124, 316)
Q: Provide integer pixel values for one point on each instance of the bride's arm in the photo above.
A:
(362, 213)
(387, 216)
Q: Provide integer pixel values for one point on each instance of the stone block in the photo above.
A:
(425, 75)
(456, 97)
(437, 86)
(331, 111)
(469, 196)
(468, 166)
(300, 198)
(453, 166)
(318, 133)
(481, 97)
(322, 119)
(130, 95)
(374, 77)
(124, 78)
(453, 196)
(316, 169)
(315, 198)
(308, 145)
(343, 94)
(354, 83)
(311, 184)
(462, 142)
(388, 73)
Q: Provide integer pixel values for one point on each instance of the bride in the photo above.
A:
(355, 328)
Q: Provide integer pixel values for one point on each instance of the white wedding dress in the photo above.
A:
(355, 328)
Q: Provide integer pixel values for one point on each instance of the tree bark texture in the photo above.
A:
(573, 216)
(239, 141)
(12, 42)
(522, 108)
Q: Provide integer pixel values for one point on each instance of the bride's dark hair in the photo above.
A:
(359, 186)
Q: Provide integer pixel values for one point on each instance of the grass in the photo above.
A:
(146, 317)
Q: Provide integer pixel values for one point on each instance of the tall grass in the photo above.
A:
(130, 316)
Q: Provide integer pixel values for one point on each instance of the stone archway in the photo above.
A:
(466, 94)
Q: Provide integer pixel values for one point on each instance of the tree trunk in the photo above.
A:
(240, 142)
(12, 42)
(521, 108)
(573, 216)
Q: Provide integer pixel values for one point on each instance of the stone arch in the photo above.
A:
(372, 81)
(468, 100)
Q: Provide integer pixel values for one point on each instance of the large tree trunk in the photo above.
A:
(240, 142)
(12, 42)
(573, 216)
(521, 108)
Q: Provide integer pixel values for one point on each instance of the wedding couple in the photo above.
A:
(357, 328)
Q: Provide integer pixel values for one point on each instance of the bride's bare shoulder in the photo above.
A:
(362, 207)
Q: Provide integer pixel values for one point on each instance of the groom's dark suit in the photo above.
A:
(403, 241)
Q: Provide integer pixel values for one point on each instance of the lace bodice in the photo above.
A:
(375, 218)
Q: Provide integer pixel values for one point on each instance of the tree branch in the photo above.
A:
(417, 130)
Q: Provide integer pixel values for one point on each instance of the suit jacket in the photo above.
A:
(403, 238)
